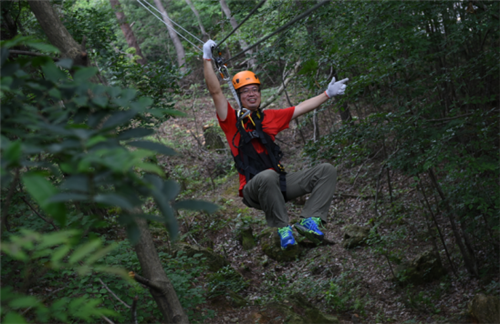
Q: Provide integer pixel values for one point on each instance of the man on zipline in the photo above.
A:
(264, 184)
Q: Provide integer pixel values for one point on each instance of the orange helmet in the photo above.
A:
(244, 78)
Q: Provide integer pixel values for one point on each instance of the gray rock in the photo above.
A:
(355, 235)
(485, 309)
(425, 267)
(214, 260)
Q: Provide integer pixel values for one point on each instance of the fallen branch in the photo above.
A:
(112, 293)
(343, 196)
(107, 319)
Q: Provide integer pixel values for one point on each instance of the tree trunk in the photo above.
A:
(160, 287)
(203, 32)
(56, 32)
(181, 55)
(9, 26)
(127, 30)
(234, 24)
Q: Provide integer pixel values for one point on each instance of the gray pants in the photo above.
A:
(263, 192)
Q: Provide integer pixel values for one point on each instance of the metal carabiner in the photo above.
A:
(245, 112)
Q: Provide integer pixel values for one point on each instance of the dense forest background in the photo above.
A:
(119, 200)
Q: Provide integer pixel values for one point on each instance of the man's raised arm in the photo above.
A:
(334, 89)
(213, 84)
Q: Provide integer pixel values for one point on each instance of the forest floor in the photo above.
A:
(356, 285)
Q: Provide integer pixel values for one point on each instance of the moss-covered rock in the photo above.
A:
(215, 261)
(213, 141)
(298, 310)
(245, 237)
(236, 300)
(270, 244)
(355, 235)
(425, 267)
(485, 309)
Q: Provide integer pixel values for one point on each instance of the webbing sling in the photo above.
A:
(249, 162)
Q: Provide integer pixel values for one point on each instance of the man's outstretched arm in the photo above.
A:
(334, 89)
(213, 84)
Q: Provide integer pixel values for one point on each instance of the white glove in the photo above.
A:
(336, 88)
(207, 49)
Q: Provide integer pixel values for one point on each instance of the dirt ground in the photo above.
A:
(368, 274)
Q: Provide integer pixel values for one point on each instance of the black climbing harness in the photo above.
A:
(248, 161)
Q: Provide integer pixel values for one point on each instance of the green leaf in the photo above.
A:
(43, 47)
(94, 140)
(84, 250)
(55, 93)
(60, 253)
(13, 318)
(13, 152)
(113, 200)
(55, 238)
(101, 101)
(152, 146)
(150, 167)
(133, 233)
(134, 133)
(196, 205)
(52, 72)
(141, 104)
(41, 190)
(170, 190)
(15, 251)
(101, 253)
(65, 63)
(84, 74)
(119, 118)
(24, 302)
(67, 196)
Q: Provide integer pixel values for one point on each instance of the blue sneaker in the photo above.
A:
(308, 227)
(286, 237)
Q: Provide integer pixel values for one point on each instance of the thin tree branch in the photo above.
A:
(144, 281)
(282, 87)
(18, 52)
(8, 199)
(134, 310)
(448, 118)
(39, 215)
(107, 319)
(112, 293)
(29, 308)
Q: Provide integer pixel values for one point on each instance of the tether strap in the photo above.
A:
(247, 152)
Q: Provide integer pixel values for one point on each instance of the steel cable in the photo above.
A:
(139, 1)
(305, 14)
(241, 23)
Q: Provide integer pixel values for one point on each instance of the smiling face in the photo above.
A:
(250, 96)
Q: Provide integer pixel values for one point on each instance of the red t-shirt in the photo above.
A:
(274, 122)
